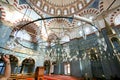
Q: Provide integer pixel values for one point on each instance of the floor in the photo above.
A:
(61, 77)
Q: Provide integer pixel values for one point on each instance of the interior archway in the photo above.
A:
(28, 65)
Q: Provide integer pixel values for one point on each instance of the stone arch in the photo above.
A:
(31, 28)
(14, 63)
(47, 66)
(90, 10)
(28, 65)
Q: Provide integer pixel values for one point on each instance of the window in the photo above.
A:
(38, 3)
(1, 67)
(80, 6)
(52, 11)
(67, 68)
(72, 10)
(58, 12)
(117, 20)
(65, 12)
(45, 8)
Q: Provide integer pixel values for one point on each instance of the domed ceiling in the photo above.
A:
(52, 8)
(60, 7)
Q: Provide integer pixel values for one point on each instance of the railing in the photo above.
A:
(27, 76)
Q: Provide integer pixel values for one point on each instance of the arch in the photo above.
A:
(52, 37)
(14, 64)
(31, 28)
(89, 11)
(52, 10)
(28, 65)
(59, 12)
(80, 5)
(20, 7)
(72, 9)
(47, 66)
(46, 8)
(54, 25)
(65, 11)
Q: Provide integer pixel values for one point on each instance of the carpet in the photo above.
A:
(61, 77)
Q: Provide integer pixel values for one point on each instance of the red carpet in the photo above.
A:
(60, 77)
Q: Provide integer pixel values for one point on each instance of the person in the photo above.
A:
(7, 71)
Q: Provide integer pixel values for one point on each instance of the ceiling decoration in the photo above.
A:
(60, 7)
(61, 2)
(31, 29)
(59, 27)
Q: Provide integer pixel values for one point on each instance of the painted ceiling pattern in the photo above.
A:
(30, 10)
(60, 7)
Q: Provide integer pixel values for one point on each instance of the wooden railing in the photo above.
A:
(28, 76)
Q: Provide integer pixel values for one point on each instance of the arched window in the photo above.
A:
(52, 11)
(47, 66)
(45, 8)
(14, 64)
(38, 4)
(58, 12)
(72, 10)
(65, 12)
(80, 6)
(27, 65)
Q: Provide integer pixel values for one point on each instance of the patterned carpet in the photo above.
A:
(60, 77)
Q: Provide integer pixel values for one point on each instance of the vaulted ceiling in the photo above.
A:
(48, 30)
